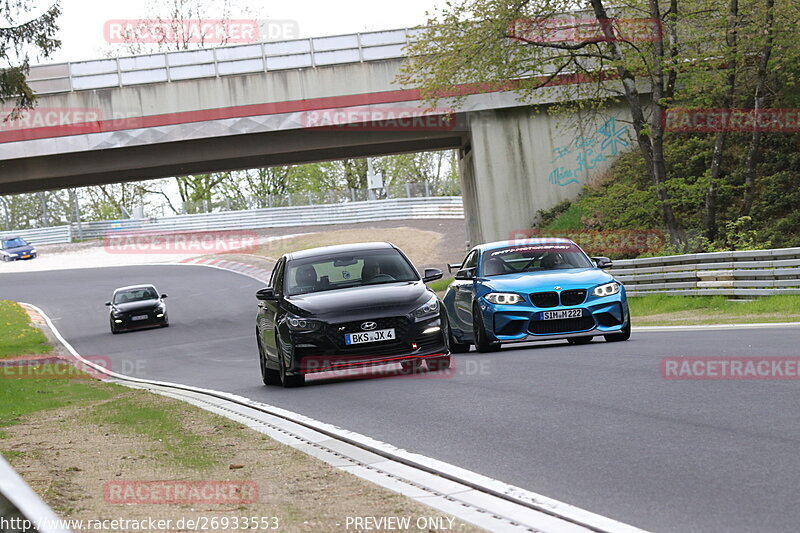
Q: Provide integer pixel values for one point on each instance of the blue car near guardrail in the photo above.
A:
(15, 248)
(533, 289)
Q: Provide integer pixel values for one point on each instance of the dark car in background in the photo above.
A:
(16, 248)
(347, 306)
(137, 306)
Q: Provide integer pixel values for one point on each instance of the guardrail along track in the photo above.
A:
(740, 273)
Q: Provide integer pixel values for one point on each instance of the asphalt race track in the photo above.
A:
(594, 426)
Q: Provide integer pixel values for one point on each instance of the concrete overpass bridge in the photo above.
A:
(276, 103)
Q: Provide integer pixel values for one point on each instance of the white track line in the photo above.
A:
(480, 500)
(711, 327)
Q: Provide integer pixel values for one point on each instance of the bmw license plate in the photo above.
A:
(139, 317)
(369, 336)
(560, 315)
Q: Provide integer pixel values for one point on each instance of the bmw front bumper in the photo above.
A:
(524, 322)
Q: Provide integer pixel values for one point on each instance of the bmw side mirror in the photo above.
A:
(266, 294)
(453, 266)
(466, 273)
(432, 274)
(164, 295)
(602, 262)
(108, 303)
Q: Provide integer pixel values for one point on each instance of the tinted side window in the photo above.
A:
(276, 281)
(471, 260)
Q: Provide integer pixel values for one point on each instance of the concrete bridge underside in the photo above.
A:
(513, 161)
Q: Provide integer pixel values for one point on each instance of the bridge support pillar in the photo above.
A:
(519, 161)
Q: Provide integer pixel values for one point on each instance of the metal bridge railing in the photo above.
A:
(220, 61)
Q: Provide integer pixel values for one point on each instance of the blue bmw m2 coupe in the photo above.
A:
(530, 290)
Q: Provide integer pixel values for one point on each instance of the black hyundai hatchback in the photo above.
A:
(347, 306)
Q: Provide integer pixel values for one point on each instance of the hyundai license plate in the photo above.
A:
(369, 336)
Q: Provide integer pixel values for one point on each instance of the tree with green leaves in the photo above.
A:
(25, 32)
(520, 45)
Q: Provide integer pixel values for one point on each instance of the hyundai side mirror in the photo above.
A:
(108, 303)
(432, 274)
(266, 294)
(466, 273)
(602, 262)
(164, 295)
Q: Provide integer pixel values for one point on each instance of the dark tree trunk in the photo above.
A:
(760, 101)
(650, 144)
(719, 142)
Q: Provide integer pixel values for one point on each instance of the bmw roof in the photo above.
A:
(523, 242)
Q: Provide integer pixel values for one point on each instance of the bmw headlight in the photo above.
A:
(297, 323)
(428, 309)
(503, 298)
(607, 289)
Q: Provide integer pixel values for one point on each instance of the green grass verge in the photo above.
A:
(20, 397)
(666, 309)
(17, 336)
(571, 219)
(159, 422)
(440, 285)
(25, 392)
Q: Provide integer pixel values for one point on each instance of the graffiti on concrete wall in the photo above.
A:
(573, 160)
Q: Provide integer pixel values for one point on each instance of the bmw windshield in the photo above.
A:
(533, 258)
(340, 271)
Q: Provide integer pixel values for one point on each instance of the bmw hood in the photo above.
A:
(390, 299)
(573, 278)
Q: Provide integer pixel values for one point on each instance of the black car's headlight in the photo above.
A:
(606, 289)
(503, 298)
(428, 309)
(297, 323)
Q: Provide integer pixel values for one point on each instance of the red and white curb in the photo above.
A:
(254, 272)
